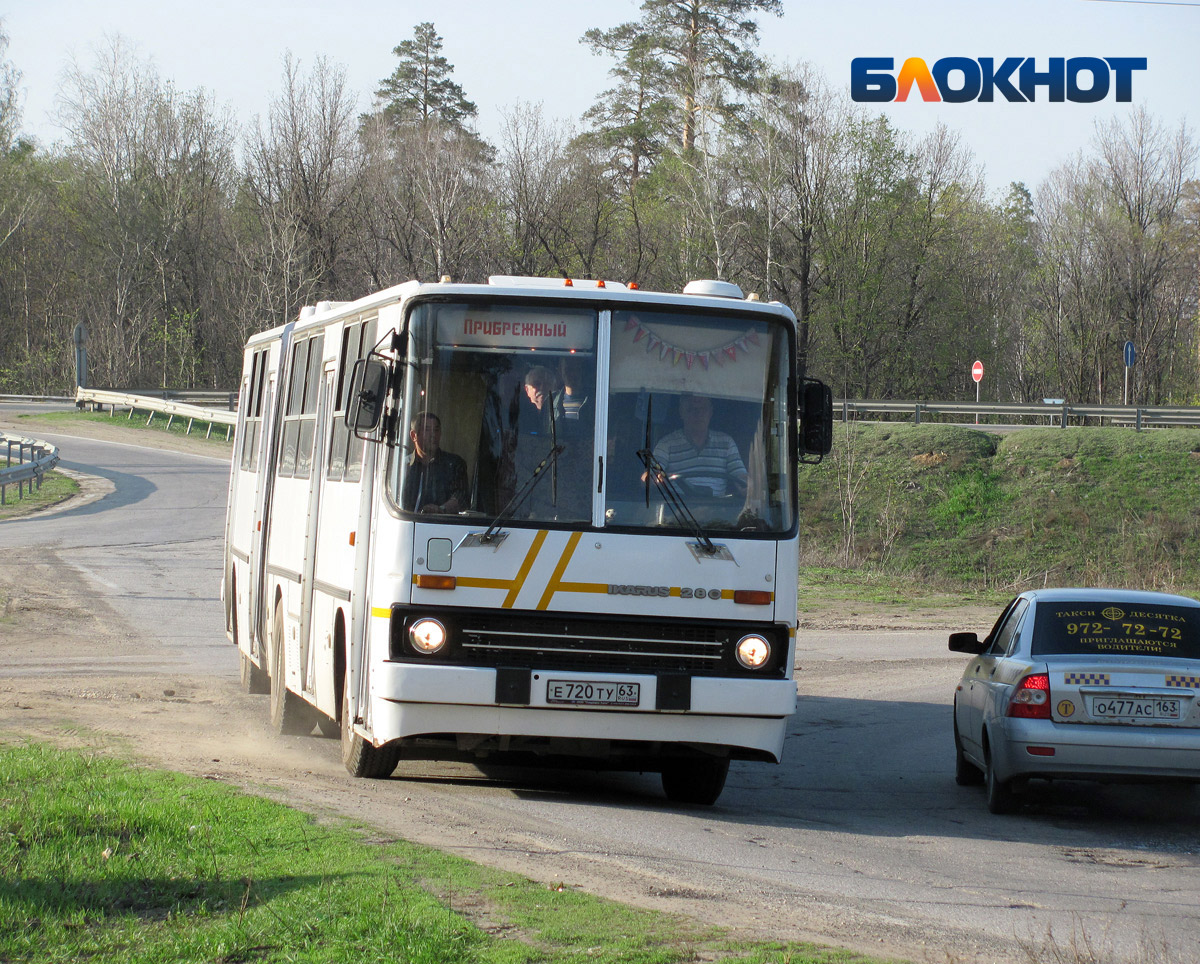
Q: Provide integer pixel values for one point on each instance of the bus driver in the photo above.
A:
(704, 459)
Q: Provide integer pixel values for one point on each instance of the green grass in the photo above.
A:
(101, 860)
(139, 420)
(55, 487)
(961, 510)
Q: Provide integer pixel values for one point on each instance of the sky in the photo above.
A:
(527, 52)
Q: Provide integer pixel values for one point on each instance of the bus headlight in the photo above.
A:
(753, 651)
(427, 635)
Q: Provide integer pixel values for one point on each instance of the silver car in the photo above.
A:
(1081, 684)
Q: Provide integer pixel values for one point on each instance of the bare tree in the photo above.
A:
(303, 168)
(10, 95)
(1118, 259)
(1143, 168)
(152, 174)
(530, 178)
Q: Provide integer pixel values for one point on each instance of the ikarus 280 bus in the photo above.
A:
(534, 518)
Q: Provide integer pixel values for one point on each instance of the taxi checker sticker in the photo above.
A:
(1186, 682)
(1086, 679)
(1066, 708)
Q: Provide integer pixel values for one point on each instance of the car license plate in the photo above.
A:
(1134, 708)
(594, 693)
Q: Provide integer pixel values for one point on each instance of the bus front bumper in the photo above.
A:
(746, 716)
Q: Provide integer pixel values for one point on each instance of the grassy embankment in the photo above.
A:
(155, 422)
(100, 860)
(903, 510)
(55, 487)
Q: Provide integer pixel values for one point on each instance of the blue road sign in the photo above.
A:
(1130, 354)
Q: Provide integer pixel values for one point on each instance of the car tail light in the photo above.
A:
(1032, 698)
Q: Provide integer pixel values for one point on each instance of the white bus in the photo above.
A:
(532, 519)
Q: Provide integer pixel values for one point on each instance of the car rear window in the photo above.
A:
(1116, 629)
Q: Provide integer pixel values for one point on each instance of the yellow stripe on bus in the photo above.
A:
(381, 612)
(526, 565)
(559, 569)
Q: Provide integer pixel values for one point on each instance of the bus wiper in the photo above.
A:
(521, 494)
(674, 500)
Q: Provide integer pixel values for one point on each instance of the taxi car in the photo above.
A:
(1080, 684)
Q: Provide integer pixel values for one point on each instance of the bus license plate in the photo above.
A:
(595, 693)
(1134, 708)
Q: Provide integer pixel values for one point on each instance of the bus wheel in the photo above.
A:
(361, 758)
(254, 680)
(290, 715)
(694, 780)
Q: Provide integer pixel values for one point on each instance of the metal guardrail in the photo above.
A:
(42, 457)
(97, 399)
(1059, 413)
(224, 401)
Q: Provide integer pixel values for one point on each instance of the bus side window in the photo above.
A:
(297, 375)
(253, 389)
(308, 407)
(345, 450)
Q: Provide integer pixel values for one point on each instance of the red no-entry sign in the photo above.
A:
(977, 371)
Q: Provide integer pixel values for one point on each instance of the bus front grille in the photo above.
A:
(588, 644)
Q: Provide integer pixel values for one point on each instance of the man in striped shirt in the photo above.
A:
(706, 461)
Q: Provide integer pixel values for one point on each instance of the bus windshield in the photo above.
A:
(506, 411)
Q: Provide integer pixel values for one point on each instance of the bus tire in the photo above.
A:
(290, 714)
(362, 759)
(697, 781)
(253, 679)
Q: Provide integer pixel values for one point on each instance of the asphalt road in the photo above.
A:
(859, 838)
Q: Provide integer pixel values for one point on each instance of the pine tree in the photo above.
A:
(704, 47)
(420, 88)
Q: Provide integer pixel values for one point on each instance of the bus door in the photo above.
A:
(312, 524)
(258, 545)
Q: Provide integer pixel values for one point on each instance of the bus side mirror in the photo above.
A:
(816, 420)
(368, 391)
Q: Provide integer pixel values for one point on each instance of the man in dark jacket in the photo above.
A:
(435, 481)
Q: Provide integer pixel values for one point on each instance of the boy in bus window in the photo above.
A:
(436, 480)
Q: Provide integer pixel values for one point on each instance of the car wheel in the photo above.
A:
(360, 757)
(290, 715)
(966, 773)
(1000, 795)
(694, 780)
